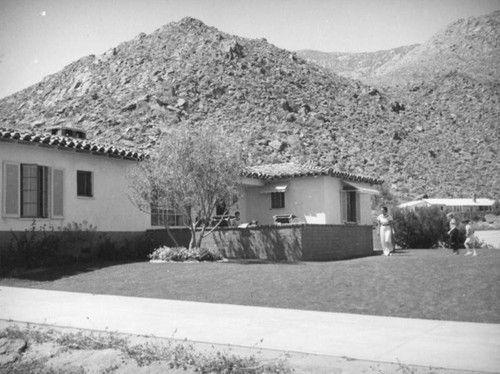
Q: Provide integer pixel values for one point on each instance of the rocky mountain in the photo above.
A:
(470, 46)
(449, 85)
(277, 106)
(362, 66)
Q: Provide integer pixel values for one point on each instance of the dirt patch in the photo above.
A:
(46, 349)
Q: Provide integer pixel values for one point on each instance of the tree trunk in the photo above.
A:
(171, 236)
(201, 235)
(192, 242)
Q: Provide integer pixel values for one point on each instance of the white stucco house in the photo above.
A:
(306, 193)
(304, 213)
(293, 193)
(60, 178)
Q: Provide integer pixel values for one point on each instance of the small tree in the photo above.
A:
(385, 198)
(194, 170)
(148, 192)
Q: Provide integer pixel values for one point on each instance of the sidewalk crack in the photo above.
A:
(413, 338)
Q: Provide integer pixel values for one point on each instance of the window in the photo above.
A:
(277, 200)
(221, 208)
(350, 206)
(166, 217)
(84, 183)
(34, 191)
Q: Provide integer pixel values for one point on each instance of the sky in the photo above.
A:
(41, 37)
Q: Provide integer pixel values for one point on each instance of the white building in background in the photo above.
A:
(471, 204)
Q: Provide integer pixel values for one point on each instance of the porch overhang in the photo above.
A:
(359, 187)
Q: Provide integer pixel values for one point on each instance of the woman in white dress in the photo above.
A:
(385, 228)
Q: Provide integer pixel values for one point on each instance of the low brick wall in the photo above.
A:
(336, 242)
(273, 243)
(160, 237)
(293, 242)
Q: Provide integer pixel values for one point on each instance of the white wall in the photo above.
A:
(257, 206)
(109, 209)
(333, 186)
(314, 200)
(305, 197)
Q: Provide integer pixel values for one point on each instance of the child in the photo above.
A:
(470, 241)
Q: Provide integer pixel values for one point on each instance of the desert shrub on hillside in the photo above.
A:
(420, 228)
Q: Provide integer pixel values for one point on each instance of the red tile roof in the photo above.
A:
(292, 170)
(80, 145)
(266, 171)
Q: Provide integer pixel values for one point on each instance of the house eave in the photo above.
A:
(68, 144)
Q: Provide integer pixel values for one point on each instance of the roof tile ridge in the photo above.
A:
(30, 135)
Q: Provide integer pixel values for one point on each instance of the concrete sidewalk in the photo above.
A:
(445, 344)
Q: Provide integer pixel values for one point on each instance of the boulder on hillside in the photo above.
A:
(231, 49)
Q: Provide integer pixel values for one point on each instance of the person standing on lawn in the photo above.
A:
(454, 238)
(470, 239)
(385, 229)
(452, 222)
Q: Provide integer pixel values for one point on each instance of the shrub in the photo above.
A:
(123, 249)
(78, 238)
(420, 228)
(33, 247)
(205, 254)
(46, 246)
(181, 254)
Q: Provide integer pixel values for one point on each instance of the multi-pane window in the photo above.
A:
(166, 217)
(350, 206)
(84, 183)
(277, 200)
(34, 191)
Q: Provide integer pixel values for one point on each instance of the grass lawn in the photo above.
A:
(430, 284)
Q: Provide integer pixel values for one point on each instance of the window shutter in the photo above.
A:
(57, 193)
(11, 189)
(358, 208)
(343, 205)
